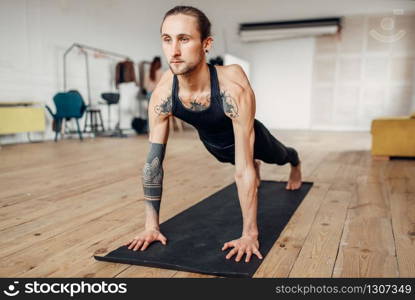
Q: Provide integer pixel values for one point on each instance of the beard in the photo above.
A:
(183, 68)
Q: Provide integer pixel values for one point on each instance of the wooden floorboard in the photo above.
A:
(61, 203)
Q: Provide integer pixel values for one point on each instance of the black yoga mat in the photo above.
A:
(195, 237)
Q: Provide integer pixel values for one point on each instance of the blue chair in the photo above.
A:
(68, 105)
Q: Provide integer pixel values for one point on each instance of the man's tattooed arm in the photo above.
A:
(229, 105)
(152, 178)
(165, 107)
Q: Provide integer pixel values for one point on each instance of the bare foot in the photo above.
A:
(257, 164)
(294, 182)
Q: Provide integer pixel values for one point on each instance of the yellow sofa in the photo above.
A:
(393, 136)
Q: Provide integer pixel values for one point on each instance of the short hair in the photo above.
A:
(202, 21)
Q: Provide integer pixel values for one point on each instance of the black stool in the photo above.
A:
(92, 114)
(110, 99)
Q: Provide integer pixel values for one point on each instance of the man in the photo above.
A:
(220, 104)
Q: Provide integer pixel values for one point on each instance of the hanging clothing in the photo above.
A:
(124, 72)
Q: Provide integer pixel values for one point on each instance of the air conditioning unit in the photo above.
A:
(265, 31)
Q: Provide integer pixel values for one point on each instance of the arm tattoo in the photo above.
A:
(152, 176)
(229, 105)
(165, 107)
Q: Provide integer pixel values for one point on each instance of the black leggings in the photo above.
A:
(266, 148)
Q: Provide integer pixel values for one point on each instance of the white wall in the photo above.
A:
(281, 79)
(359, 77)
(35, 33)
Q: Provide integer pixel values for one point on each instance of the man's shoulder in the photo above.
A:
(236, 91)
(233, 79)
(161, 98)
(233, 69)
(164, 86)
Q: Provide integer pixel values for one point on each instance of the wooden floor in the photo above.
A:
(62, 203)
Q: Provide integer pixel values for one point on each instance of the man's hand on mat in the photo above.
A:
(145, 238)
(244, 244)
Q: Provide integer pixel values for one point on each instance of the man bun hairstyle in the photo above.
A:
(202, 21)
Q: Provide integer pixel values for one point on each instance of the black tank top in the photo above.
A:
(214, 127)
